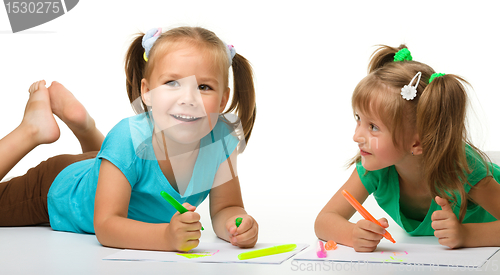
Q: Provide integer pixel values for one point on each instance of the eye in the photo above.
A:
(356, 117)
(374, 127)
(204, 87)
(173, 84)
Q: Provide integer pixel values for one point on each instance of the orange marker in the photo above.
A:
(365, 213)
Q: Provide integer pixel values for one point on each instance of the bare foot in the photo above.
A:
(38, 119)
(69, 109)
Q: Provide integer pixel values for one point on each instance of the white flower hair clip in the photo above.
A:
(409, 92)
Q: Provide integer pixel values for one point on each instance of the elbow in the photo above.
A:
(100, 231)
(317, 224)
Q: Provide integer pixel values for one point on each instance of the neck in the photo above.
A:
(410, 172)
(165, 148)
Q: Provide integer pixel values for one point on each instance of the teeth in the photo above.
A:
(185, 117)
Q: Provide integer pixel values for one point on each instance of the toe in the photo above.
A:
(36, 86)
(33, 87)
(41, 84)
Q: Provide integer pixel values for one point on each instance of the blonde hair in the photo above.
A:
(437, 114)
(243, 102)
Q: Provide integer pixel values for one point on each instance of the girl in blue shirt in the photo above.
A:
(177, 82)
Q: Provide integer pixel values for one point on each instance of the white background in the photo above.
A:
(307, 56)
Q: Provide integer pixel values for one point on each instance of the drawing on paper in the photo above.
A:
(392, 256)
(194, 255)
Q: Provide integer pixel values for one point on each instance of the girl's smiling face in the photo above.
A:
(186, 92)
(375, 143)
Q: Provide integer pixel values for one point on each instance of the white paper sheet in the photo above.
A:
(402, 253)
(206, 253)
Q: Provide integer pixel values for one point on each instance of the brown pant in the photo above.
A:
(23, 200)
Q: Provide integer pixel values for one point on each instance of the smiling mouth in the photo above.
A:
(185, 118)
(364, 152)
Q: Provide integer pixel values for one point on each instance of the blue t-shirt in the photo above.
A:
(128, 146)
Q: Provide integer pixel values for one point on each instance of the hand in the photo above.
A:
(246, 234)
(183, 232)
(448, 229)
(366, 235)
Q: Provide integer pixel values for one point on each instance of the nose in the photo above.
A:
(188, 95)
(359, 136)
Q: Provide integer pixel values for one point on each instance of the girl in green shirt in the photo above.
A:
(416, 159)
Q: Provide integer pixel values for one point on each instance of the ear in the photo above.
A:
(145, 94)
(416, 147)
(225, 98)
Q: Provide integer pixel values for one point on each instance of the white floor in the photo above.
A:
(40, 250)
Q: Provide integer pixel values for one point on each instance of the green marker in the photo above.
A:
(175, 203)
(267, 251)
(238, 221)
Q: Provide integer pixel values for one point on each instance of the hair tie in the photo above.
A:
(148, 40)
(403, 55)
(409, 92)
(434, 75)
(231, 52)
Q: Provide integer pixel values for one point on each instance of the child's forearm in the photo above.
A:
(219, 220)
(482, 234)
(122, 232)
(332, 226)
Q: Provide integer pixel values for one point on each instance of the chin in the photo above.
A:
(371, 166)
(187, 137)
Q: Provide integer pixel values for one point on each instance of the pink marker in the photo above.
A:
(321, 250)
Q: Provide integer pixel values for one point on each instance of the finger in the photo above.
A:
(450, 242)
(185, 247)
(441, 233)
(189, 207)
(247, 239)
(249, 234)
(383, 222)
(363, 234)
(189, 217)
(445, 205)
(192, 235)
(246, 224)
(365, 249)
(365, 245)
(193, 227)
(370, 236)
(445, 242)
(231, 228)
(437, 225)
(371, 226)
(440, 215)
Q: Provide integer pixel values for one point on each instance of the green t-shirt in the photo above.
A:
(384, 184)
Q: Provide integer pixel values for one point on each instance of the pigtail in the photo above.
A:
(243, 102)
(441, 126)
(383, 55)
(134, 70)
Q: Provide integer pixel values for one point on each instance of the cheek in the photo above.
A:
(381, 146)
(162, 100)
(211, 105)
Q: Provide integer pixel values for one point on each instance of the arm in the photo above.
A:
(333, 223)
(453, 234)
(226, 205)
(114, 229)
